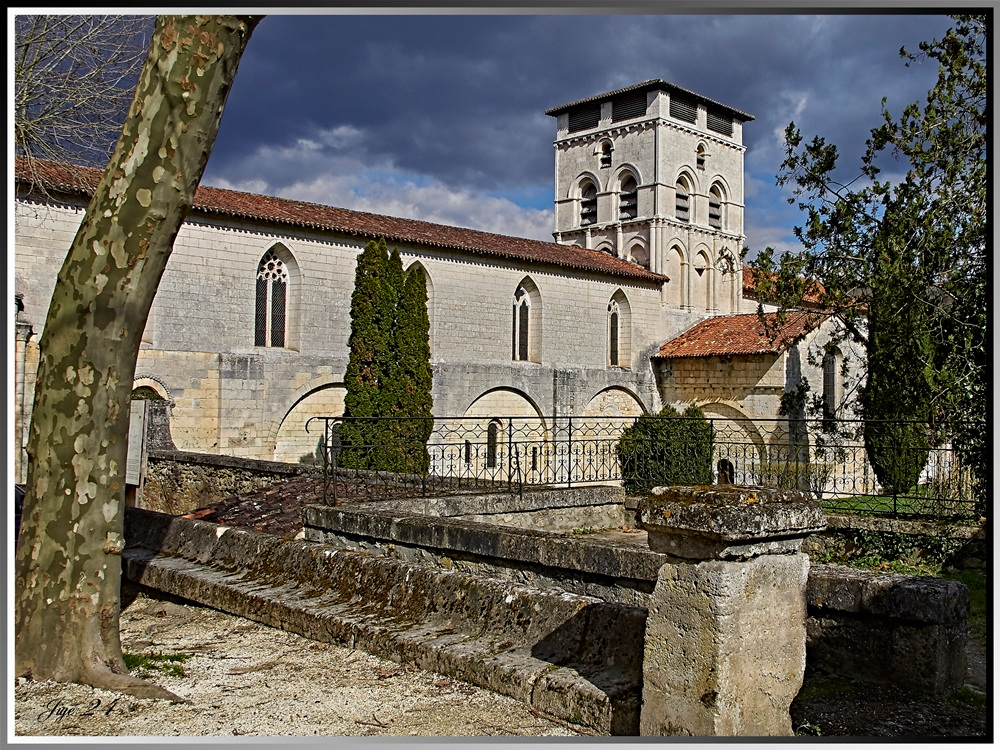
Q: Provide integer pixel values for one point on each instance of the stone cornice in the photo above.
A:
(639, 125)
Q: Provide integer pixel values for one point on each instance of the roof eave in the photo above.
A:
(651, 84)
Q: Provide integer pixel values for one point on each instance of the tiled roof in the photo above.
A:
(652, 83)
(749, 290)
(82, 181)
(729, 335)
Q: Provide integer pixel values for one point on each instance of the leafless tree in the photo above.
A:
(74, 77)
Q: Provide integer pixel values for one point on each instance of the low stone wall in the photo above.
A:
(882, 627)
(541, 509)
(573, 657)
(615, 572)
(969, 542)
(889, 628)
(179, 482)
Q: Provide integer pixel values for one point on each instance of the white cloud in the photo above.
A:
(779, 238)
(333, 168)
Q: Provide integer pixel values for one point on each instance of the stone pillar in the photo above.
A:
(22, 410)
(725, 644)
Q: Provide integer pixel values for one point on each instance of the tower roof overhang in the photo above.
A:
(653, 84)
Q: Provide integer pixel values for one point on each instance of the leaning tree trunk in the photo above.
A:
(67, 589)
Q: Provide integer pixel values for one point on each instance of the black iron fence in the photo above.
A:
(379, 458)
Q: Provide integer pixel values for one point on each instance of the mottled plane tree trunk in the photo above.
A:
(68, 568)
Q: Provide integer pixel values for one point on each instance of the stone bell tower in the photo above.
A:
(653, 173)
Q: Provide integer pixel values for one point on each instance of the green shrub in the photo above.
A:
(898, 453)
(786, 475)
(666, 449)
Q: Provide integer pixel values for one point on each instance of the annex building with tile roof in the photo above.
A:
(638, 302)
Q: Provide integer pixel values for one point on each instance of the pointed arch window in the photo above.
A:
(614, 328)
(522, 317)
(619, 331)
(588, 203)
(628, 199)
(272, 301)
(701, 156)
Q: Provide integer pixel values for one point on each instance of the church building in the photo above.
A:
(640, 300)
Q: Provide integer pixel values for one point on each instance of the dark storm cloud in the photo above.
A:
(460, 100)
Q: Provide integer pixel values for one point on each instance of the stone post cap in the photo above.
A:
(728, 521)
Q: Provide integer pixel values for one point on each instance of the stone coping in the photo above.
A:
(231, 462)
(526, 546)
(728, 521)
(844, 522)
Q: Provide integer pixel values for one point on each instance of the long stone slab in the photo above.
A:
(570, 656)
(875, 626)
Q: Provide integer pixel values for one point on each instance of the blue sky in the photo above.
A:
(442, 117)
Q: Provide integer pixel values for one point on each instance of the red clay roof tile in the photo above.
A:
(82, 181)
(729, 335)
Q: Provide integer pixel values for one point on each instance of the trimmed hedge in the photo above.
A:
(666, 449)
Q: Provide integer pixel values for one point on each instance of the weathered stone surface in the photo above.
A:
(725, 647)
(890, 628)
(179, 482)
(456, 538)
(487, 632)
(727, 521)
(854, 641)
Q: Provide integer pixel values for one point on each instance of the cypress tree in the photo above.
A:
(896, 400)
(412, 342)
(388, 373)
(373, 305)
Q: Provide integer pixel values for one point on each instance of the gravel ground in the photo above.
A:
(242, 678)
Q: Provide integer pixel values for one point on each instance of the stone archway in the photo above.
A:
(503, 430)
(293, 443)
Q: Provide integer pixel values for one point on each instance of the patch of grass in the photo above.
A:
(808, 729)
(911, 564)
(976, 582)
(585, 530)
(147, 664)
(978, 604)
(967, 697)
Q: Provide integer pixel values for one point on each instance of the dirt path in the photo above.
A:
(243, 678)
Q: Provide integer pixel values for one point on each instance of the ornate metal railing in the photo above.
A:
(380, 458)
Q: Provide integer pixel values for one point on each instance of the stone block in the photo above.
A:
(728, 522)
(725, 647)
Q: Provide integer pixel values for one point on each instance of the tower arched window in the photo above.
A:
(272, 301)
(606, 149)
(628, 198)
(701, 155)
(588, 203)
(682, 207)
(715, 199)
